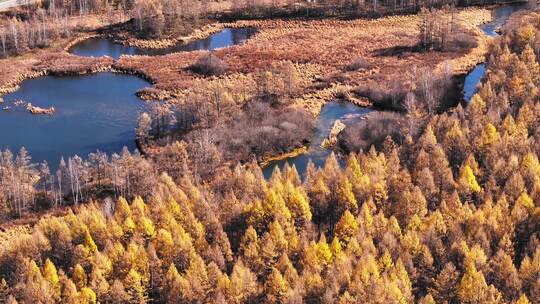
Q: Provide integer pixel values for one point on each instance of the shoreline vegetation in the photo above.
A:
(294, 152)
(321, 73)
(460, 65)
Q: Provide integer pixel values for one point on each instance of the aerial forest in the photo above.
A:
(444, 208)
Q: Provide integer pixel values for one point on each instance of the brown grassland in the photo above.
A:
(321, 49)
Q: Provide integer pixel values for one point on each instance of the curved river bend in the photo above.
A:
(100, 111)
(500, 16)
(96, 47)
(93, 112)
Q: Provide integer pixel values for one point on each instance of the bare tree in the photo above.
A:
(14, 34)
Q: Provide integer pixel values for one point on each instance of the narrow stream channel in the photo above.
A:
(500, 15)
(331, 111)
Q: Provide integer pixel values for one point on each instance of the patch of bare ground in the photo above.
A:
(323, 50)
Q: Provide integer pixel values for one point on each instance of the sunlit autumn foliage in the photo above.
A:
(448, 214)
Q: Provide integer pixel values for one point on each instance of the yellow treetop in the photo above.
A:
(524, 35)
(346, 227)
(523, 300)
(477, 105)
(89, 244)
(489, 135)
(472, 285)
(51, 275)
(525, 200)
(87, 296)
(467, 180)
(79, 276)
(276, 286)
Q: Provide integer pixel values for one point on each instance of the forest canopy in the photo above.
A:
(450, 214)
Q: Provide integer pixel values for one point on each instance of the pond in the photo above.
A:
(93, 112)
(97, 47)
(500, 15)
(331, 111)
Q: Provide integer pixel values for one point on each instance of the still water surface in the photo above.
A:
(98, 47)
(93, 112)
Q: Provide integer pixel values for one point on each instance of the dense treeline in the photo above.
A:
(451, 215)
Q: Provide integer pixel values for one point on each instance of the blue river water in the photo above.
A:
(93, 112)
(499, 17)
(331, 111)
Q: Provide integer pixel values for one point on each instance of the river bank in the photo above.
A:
(464, 81)
(291, 40)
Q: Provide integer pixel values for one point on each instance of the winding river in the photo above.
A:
(500, 15)
(99, 111)
(333, 111)
(93, 112)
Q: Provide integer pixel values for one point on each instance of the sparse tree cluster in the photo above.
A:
(25, 186)
(39, 26)
(223, 123)
(157, 18)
